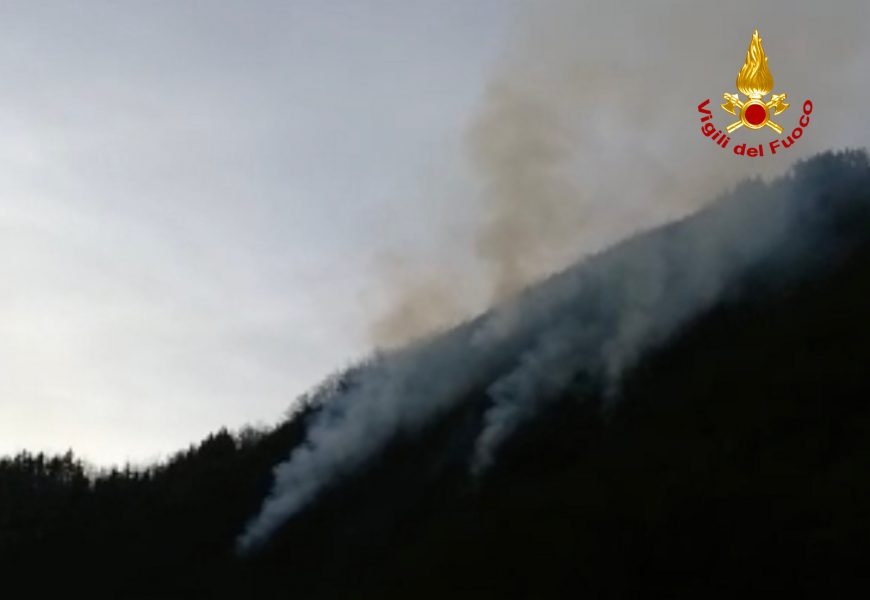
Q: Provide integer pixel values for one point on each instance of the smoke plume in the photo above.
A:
(591, 321)
(587, 134)
(425, 304)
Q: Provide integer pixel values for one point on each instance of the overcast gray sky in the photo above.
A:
(200, 201)
(193, 195)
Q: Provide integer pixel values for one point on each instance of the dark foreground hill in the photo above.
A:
(732, 460)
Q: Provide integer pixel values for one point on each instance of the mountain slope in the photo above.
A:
(701, 448)
(727, 454)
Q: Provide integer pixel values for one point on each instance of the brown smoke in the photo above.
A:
(521, 151)
(585, 136)
(426, 302)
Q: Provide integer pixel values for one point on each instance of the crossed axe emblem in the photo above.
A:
(734, 105)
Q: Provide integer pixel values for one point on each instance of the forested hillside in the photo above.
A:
(732, 459)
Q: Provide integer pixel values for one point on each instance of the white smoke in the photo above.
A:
(634, 297)
(593, 320)
(399, 391)
(588, 134)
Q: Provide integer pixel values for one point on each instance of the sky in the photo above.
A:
(206, 207)
(193, 197)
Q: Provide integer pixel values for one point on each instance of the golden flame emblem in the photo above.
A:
(755, 81)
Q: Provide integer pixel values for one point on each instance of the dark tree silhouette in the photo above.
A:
(736, 463)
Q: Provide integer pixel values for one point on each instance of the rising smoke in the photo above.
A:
(591, 321)
(588, 132)
(586, 137)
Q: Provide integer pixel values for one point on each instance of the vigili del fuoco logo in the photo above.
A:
(755, 82)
